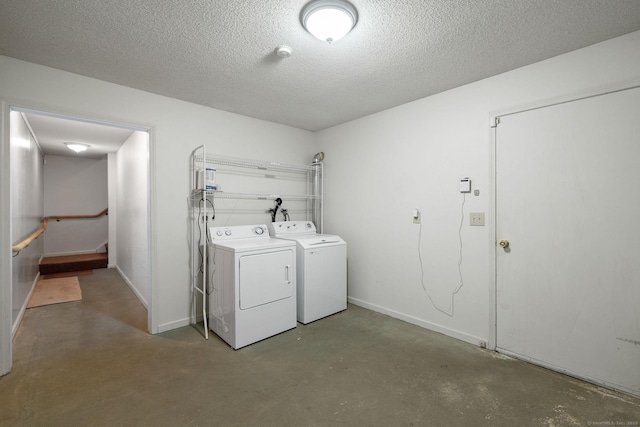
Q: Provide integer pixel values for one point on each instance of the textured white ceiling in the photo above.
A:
(221, 53)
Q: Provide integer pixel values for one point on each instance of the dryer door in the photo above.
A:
(266, 277)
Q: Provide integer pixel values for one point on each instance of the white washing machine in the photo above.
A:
(321, 269)
(254, 284)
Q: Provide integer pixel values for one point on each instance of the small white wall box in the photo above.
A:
(465, 185)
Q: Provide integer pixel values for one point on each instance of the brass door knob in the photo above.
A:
(504, 244)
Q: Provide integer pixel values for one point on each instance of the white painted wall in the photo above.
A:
(379, 168)
(131, 214)
(176, 129)
(75, 186)
(26, 213)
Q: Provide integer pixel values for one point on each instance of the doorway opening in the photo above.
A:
(47, 179)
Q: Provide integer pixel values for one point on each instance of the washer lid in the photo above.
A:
(318, 240)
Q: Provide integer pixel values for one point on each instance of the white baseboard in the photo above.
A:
(634, 390)
(133, 288)
(179, 323)
(23, 309)
(174, 325)
(419, 322)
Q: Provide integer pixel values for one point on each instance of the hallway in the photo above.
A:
(92, 362)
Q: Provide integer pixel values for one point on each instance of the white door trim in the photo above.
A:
(5, 242)
(574, 96)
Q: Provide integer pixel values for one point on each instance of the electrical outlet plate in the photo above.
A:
(476, 219)
(416, 216)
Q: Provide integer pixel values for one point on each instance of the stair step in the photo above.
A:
(67, 263)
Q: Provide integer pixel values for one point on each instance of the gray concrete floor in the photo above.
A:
(92, 363)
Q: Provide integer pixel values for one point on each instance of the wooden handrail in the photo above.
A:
(20, 246)
(99, 214)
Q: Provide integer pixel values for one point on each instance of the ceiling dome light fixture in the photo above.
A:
(329, 20)
(77, 147)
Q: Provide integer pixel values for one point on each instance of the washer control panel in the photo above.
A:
(289, 228)
(238, 232)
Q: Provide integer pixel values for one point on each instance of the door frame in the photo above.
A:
(5, 243)
(494, 121)
(6, 303)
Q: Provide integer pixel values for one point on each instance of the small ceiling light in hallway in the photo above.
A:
(329, 20)
(74, 146)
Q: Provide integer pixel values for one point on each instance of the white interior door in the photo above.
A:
(568, 203)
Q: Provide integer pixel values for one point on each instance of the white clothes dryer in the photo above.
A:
(321, 269)
(254, 284)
